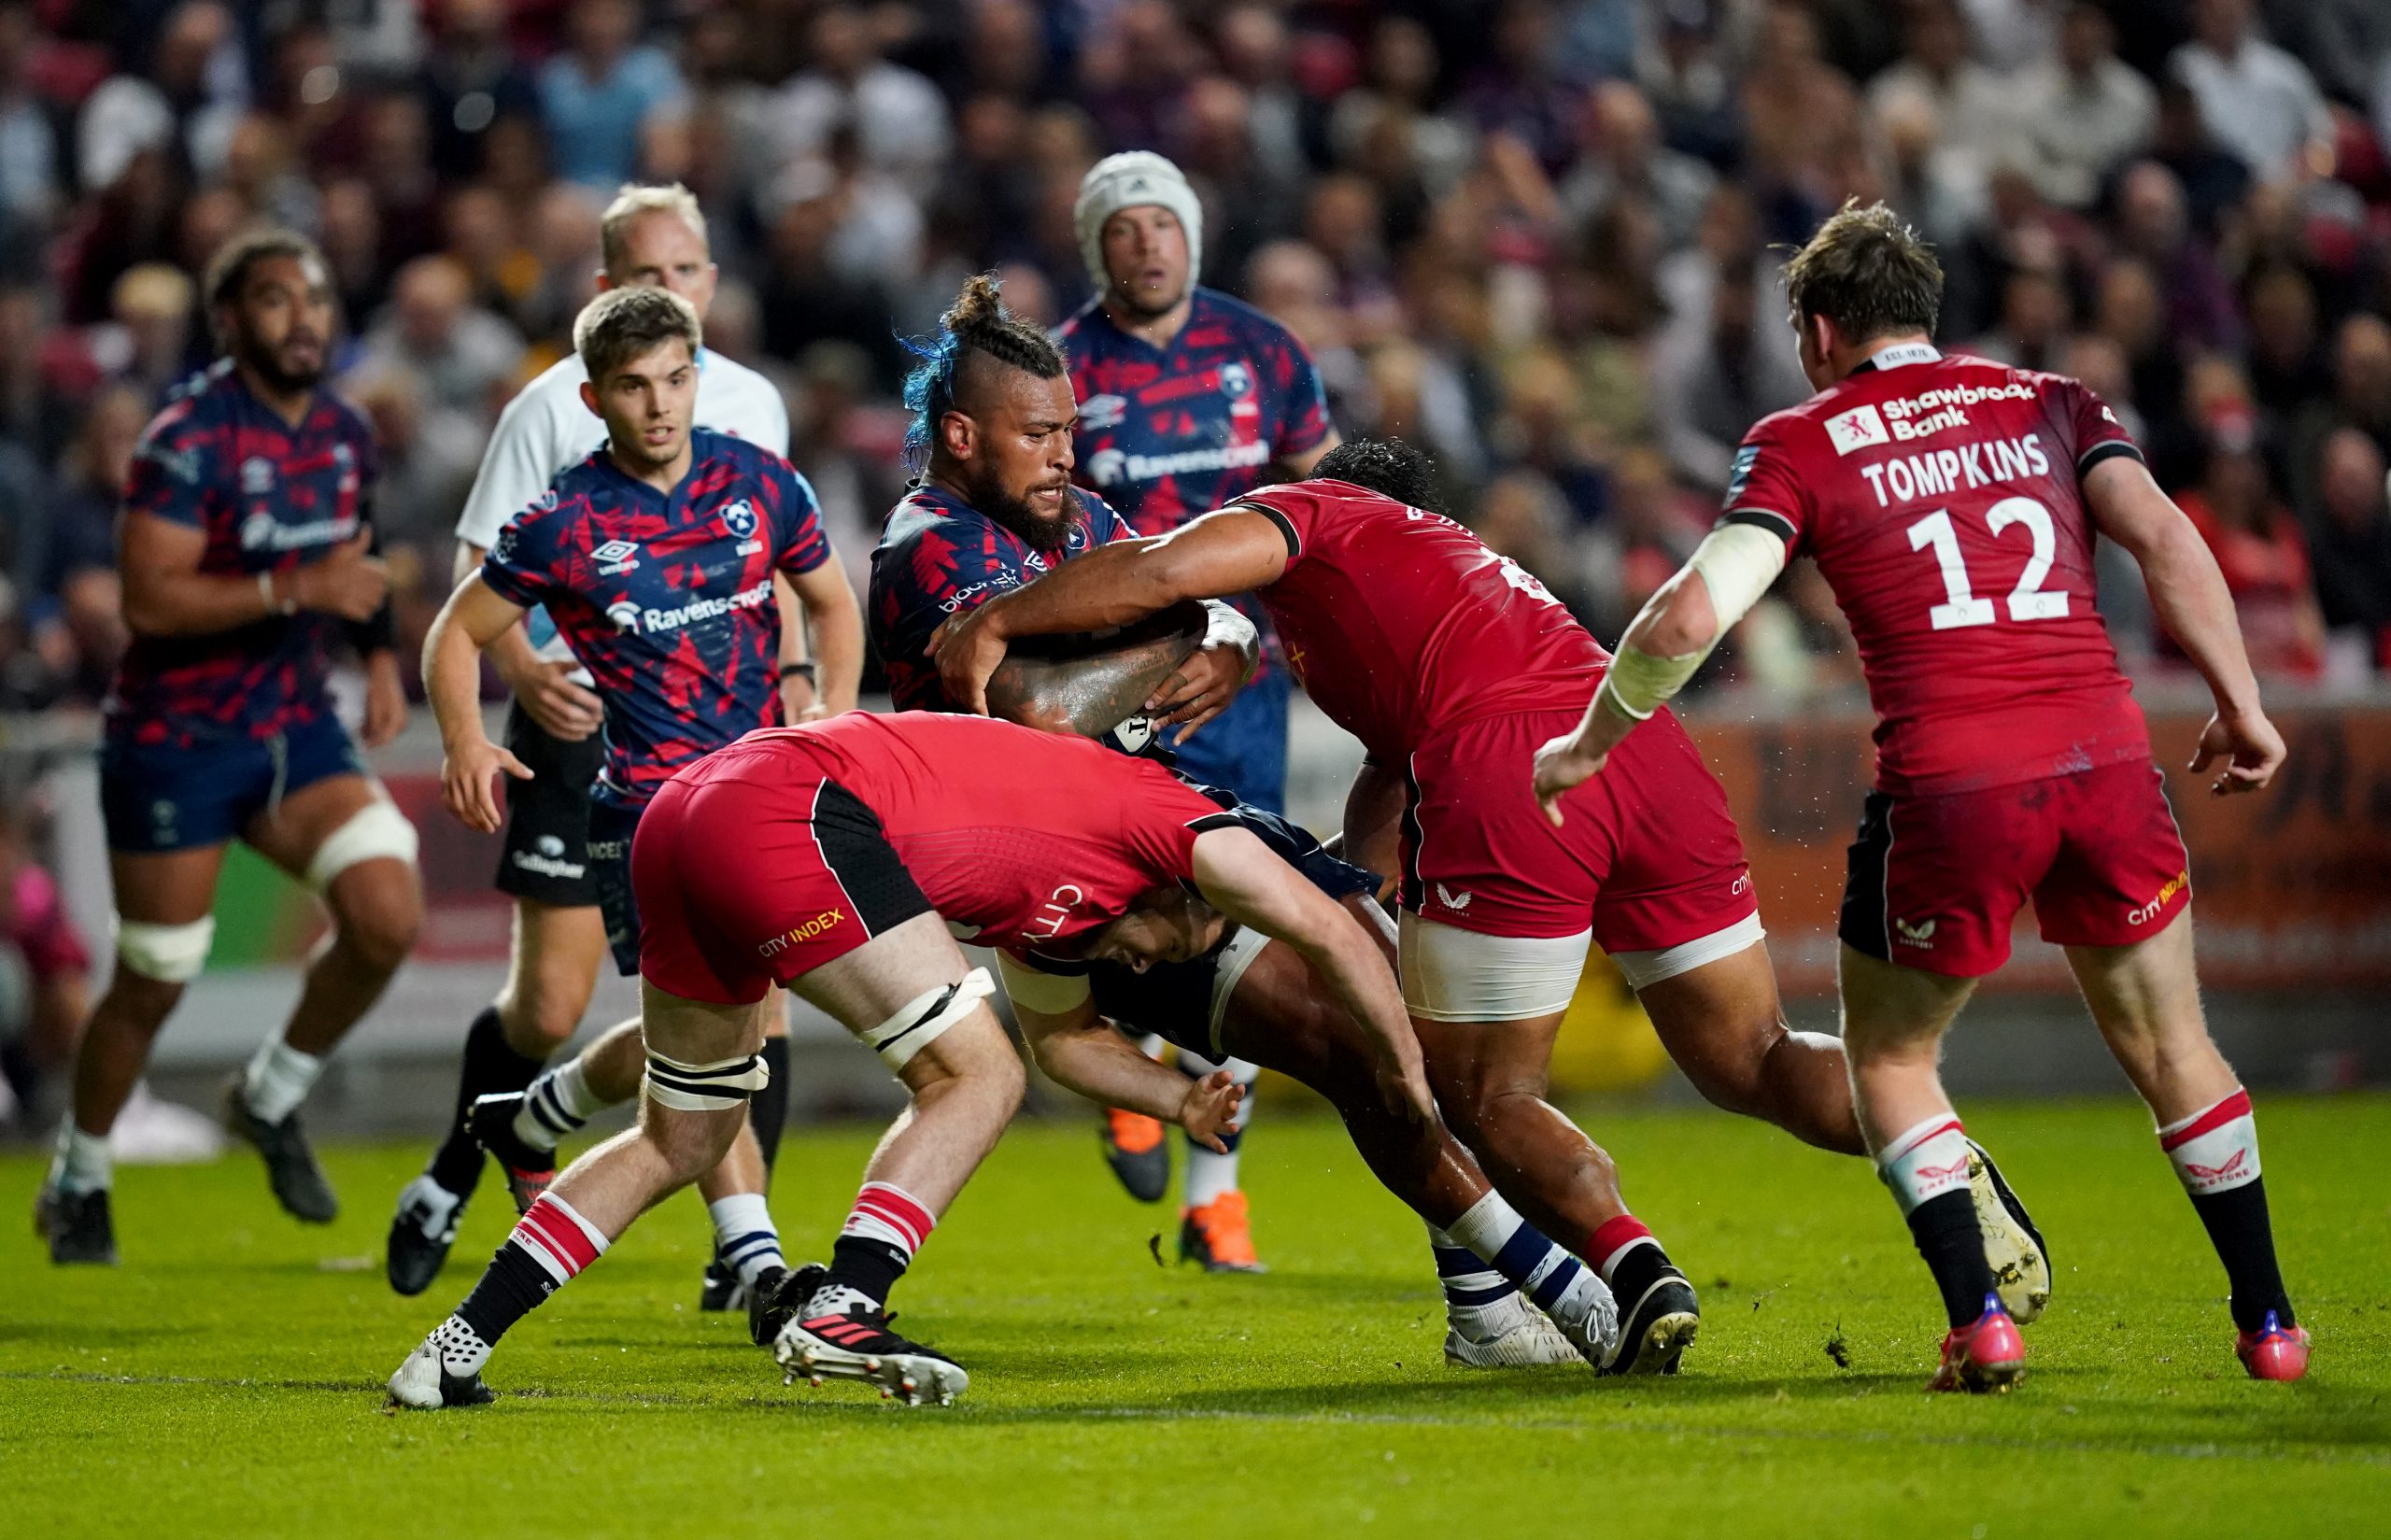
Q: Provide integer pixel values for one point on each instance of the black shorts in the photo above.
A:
(547, 855)
(611, 831)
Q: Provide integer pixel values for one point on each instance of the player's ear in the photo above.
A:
(589, 398)
(958, 435)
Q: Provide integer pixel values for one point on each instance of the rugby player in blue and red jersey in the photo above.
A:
(245, 549)
(655, 558)
(1188, 399)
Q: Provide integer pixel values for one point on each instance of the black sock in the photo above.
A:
(768, 1109)
(2245, 1239)
(1952, 1243)
(491, 1068)
(870, 1267)
(511, 1287)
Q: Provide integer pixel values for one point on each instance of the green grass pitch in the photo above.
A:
(226, 1379)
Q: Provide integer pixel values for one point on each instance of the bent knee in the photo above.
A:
(379, 925)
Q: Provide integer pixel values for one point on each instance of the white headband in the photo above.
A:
(1136, 179)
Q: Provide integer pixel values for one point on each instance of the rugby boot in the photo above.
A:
(1218, 1236)
(721, 1288)
(1138, 1154)
(77, 1225)
(1509, 1334)
(1987, 1356)
(298, 1183)
(421, 1232)
(1656, 1329)
(855, 1343)
(424, 1384)
(2273, 1352)
(2021, 1262)
(779, 1294)
(529, 1169)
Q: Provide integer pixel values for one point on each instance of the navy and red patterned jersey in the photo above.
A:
(267, 497)
(667, 599)
(1942, 499)
(939, 555)
(1170, 433)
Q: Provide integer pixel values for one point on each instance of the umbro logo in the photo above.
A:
(616, 557)
(1455, 901)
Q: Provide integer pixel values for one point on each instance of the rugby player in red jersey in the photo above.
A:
(1452, 664)
(842, 860)
(1951, 503)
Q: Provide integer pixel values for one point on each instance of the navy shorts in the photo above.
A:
(157, 798)
(610, 873)
(547, 853)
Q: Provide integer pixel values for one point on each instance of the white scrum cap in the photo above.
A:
(1136, 179)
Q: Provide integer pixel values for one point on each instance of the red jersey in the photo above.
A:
(1941, 497)
(1017, 837)
(1401, 623)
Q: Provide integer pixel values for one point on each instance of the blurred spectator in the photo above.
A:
(2259, 101)
(2360, 399)
(2083, 111)
(470, 81)
(1624, 155)
(467, 359)
(1519, 90)
(2153, 225)
(185, 105)
(1686, 72)
(2351, 533)
(1653, 525)
(2033, 322)
(81, 565)
(896, 117)
(1398, 99)
(2259, 547)
(597, 96)
(29, 189)
(1801, 115)
(1522, 517)
(1974, 110)
(1719, 372)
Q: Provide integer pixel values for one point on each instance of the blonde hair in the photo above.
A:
(623, 324)
(634, 200)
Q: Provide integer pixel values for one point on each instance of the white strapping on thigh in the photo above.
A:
(1643, 969)
(1228, 970)
(925, 1018)
(377, 831)
(1455, 975)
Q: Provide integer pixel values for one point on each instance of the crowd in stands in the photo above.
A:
(1540, 236)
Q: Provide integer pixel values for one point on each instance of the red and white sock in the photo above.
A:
(1925, 1161)
(2216, 1150)
(890, 1215)
(1614, 1240)
(558, 1238)
(884, 1230)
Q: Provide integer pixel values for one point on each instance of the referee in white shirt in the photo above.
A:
(649, 235)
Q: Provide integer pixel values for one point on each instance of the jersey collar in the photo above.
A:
(1898, 355)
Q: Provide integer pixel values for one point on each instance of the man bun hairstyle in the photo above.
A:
(1868, 272)
(1389, 467)
(978, 323)
(623, 324)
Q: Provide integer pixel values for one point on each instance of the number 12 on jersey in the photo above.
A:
(2027, 601)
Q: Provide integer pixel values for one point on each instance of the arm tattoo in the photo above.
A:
(1076, 686)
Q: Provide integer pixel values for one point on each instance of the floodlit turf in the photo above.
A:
(226, 1379)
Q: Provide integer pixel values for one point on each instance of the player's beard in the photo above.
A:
(288, 379)
(1143, 310)
(1039, 532)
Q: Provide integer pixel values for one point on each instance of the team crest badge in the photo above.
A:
(257, 476)
(740, 518)
(1236, 380)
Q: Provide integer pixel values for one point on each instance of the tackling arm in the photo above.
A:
(1677, 627)
(1240, 876)
(1229, 552)
(2189, 595)
(1075, 1049)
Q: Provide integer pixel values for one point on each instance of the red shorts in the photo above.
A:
(39, 928)
(1936, 882)
(742, 884)
(1647, 854)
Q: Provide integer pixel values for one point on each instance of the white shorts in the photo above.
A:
(1455, 975)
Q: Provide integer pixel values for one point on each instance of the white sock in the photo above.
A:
(277, 1080)
(82, 1162)
(556, 1104)
(1210, 1174)
(2216, 1150)
(1562, 1286)
(460, 1348)
(744, 1234)
(1925, 1161)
